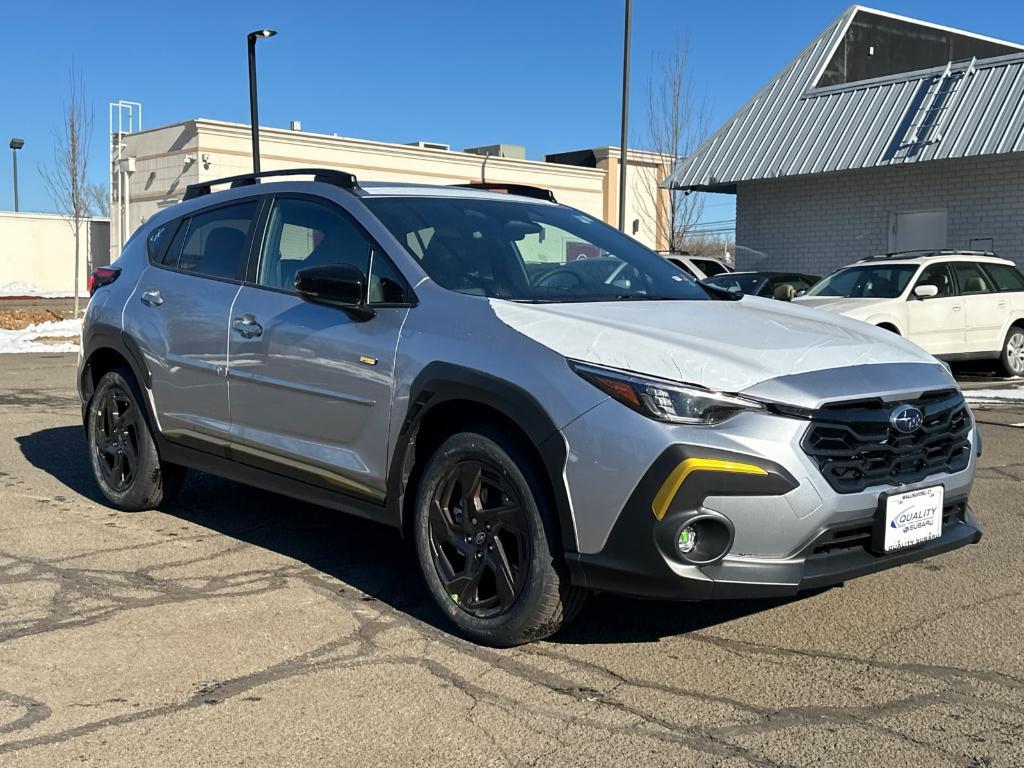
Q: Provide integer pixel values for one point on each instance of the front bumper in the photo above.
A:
(650, 575)
(792, 531)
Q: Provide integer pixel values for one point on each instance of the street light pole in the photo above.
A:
(625, 118)
(15, 145)
(253, 107)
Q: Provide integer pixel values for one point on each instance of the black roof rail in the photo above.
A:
(925, 252)
(342, 179)
(523, 190)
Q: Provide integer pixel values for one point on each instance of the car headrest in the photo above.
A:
(975, 284)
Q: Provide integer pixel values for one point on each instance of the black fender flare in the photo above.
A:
(439, 383)
(101, 336)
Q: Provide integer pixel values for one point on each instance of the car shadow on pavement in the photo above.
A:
(367, 556)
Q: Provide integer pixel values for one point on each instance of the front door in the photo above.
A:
(937, 323)
(179, 317)
(310, 384)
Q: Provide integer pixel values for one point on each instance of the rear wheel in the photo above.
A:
(485, 544)
(1013, 352)
(121, 449)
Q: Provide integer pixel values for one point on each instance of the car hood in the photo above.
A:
(840, 304)
(722, 345)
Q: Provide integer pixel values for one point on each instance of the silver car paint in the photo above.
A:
(722, 345)
(315, 388)
(184, 342)
(763, 348)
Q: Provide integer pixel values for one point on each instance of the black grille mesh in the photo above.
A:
(855, 447)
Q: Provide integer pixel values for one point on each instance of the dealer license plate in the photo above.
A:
(912, 518)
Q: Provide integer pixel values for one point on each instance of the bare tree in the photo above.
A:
(66, 180)
(677, 124)
(97, 199)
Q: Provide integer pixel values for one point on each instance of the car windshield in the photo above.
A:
(737, 282)
(871, 281)
(524, 251)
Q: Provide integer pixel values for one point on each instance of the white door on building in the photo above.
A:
(918, 231)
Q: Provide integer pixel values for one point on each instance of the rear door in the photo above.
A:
(311, 385)
(179, 317)
(985, 310)
(937, 324)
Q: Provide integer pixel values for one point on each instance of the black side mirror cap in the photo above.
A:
(339, 285)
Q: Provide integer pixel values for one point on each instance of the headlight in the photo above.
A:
(665, 400)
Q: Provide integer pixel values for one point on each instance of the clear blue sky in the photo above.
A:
(542, 73)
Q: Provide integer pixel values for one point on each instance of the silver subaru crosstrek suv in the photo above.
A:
(544, 406)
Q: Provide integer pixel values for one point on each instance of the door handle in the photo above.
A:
(957, 307)
(247, 326)
(152, 298)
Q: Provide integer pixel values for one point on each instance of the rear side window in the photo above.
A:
(215, 244)
(1005, 277)
(971, 278)
(159, 239)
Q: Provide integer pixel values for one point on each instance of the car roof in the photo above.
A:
(916, 258)
(405, 189)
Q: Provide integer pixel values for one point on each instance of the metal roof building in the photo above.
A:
(906, 130)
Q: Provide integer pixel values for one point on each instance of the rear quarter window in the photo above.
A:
(158, 240)
(1005, 277)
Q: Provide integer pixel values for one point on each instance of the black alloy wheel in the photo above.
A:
(117, 438)
(122, 452)
(479, 538)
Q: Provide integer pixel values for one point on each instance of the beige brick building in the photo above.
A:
(157, 164)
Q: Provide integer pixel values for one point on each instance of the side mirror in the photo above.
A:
(340, 285)
(926, 291)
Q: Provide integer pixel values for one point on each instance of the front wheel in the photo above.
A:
(484, 539)
(121, 449)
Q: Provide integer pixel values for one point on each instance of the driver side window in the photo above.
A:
(305, 233)
(939, 276)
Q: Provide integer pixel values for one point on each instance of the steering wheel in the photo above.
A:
(555, 279)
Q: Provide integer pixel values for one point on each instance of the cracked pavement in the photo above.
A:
(242, 628)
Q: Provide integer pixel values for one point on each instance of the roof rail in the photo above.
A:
(333, 176)
(523, 190)
(925, 252)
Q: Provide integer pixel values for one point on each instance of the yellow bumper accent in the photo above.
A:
(686, 468)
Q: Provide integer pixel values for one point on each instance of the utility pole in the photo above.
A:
(15, 145)
(625, 118)
(254, 117)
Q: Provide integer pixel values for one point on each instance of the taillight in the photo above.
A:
(102, 276)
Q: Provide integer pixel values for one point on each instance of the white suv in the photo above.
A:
(698, 267)
(958, 305)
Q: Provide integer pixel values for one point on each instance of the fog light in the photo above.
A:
(687, 540)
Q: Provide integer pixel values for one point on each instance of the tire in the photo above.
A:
(494, 569)
(122, 453)
(1012, 357)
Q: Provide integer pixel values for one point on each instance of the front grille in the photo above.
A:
(858, 535)
(855, 447)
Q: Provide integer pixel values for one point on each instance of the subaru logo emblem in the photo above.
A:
(906, 419)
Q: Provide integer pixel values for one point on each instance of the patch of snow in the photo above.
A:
(27, 289)
(26, 340)
(987, 396)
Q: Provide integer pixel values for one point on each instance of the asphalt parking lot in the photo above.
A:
(241, 628)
